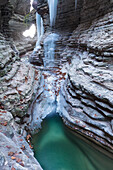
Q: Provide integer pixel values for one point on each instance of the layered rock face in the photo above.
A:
(17, 81)
(65, 19)
(18, 84)
(88, 91)
(17, 76)
(87, 95)
(87, 104)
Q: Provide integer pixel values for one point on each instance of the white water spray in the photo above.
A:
(52, 11)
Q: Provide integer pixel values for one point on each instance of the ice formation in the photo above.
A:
(49, 47)
(52, 10)
(40, 30)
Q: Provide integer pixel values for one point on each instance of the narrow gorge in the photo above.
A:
(56, 78)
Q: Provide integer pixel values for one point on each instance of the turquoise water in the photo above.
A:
(58, 149)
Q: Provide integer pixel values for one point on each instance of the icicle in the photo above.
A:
(75, 4)
(52, 11)
(38, 23)
(40, 31)
(42, 27)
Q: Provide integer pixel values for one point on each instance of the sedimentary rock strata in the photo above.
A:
(88, 91)
(87, 94)
(18, 81)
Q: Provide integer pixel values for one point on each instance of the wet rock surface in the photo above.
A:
(37, 58)
(19, 82)
(14, 20)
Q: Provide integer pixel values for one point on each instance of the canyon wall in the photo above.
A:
(18, 85)
(87, 94)
(15, 70)
(88, 91)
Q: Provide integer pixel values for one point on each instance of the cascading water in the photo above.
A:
(52, 11)
(49, 48)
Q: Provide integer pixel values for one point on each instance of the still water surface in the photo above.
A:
(56, 149)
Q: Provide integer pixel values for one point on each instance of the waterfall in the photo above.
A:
(52, 11)
(40, 31)
(75, 4)
(49, 48)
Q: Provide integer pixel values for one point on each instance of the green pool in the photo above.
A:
(58, 149)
